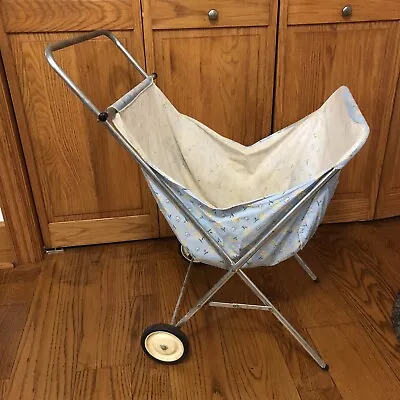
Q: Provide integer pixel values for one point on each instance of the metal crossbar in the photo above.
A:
(267, 306)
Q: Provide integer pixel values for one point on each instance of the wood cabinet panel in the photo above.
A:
(21, 228)
(328, 11)
(222, 77)
(388, 203)
(313, 62)
(66, 15)
(172, 14)
(84, 173)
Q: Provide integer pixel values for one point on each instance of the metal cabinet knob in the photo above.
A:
(213, 15)
(347, 11)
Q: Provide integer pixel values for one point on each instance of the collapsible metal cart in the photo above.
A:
(231, 206)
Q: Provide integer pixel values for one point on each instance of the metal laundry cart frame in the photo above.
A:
(235, 266)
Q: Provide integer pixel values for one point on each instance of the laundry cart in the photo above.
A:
(231, 206)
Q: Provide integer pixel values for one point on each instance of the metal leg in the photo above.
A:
(311, 351)
(306, 268)
(178, 303)
(268, 306)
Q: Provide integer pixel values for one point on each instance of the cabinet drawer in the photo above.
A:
(330, 11)
(176, 14)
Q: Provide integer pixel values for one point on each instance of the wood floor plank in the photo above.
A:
(104, 384)
(81, 337)
(320, 394)
(357, 277)
(307, 375)
(317, 303)
(47, 353)
(377, 239)
(107, 311)
(256, 364)
(357, 367)
(4, 275)
(20, 285)
(250, 350)
(12, 322)
(3, 389)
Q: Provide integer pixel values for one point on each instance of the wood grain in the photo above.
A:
(3, 389)
(79, 177)
(66, 15)
(93, 231)
(53, 319)
(223, 78)
(388, 203)
(13, 84)
(356, 376)
(357, 274)
(178, 14)
(316, 304)
(320, 394)
(308, 377)
(108, 316)
(18, 285)
(81, 338)
(315, 60)
(17, 204)
(6, 249)
(104, 383)
(302, 12)
(12, 322)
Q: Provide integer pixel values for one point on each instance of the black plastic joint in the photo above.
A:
(154, 75)
(103, 117)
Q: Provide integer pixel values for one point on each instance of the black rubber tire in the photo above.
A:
(170, 329)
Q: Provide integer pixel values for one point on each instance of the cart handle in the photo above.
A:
(102, 116)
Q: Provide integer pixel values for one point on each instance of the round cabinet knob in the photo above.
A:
(347, 11)
(213, 15)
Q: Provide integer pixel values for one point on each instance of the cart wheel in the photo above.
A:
(165, 343)
(186, 255)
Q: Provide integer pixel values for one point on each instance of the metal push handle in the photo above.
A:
(102, 116)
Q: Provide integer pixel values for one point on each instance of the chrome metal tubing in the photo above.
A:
(306, 268)
(79, 39)
(239, 305)
(310, 350)
(236, 266)
(178, 303)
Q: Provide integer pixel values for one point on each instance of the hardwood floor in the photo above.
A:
(70, 326)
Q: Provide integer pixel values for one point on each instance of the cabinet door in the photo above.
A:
(388, 204)
(313, 61)
(86, 187)
(220, 72)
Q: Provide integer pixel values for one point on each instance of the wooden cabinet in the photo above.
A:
(388, 203)
(243, 73)
(86, 187)
(315, 58)
(220, 72)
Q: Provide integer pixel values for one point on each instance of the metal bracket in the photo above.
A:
(55, 250)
